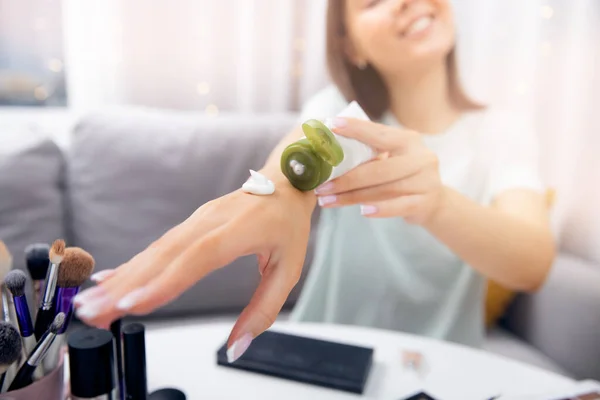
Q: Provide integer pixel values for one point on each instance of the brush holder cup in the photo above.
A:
(50, 387)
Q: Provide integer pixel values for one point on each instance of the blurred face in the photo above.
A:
(399, 36)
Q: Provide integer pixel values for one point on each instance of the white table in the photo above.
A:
(185, 357)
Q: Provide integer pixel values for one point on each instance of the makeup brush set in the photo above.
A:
(30, 344)
(103, 364)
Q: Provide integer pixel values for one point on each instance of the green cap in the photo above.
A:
(303, 167)
(323, 141)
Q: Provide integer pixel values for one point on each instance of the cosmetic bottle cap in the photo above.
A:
(315, 170)
(323, 142)
(167, 394)
(91, 362)
(134, 360)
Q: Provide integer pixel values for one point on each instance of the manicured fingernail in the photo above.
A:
(338, 122)
(324, 188)
(131, 299)
(87, 312)
(90, 309)
(102, 275)
(89, 295)
(325, 200)
(238, 348)
(368, 210)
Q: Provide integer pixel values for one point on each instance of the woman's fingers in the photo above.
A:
(409, 186)
(171, 279)
(381, 137)
(97, 305)
(407, 207)
(266, 303)
(182, 273)
(150, 262)
(101, 276)
(375, 173)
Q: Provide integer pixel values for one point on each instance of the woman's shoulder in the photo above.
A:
(327, 102)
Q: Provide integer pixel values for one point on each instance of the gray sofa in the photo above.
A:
(128, 175)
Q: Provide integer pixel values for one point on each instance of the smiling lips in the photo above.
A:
(419, 16)
(418, 25)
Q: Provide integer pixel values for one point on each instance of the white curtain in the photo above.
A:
(542, 58)
(230, 55)
(538, 57)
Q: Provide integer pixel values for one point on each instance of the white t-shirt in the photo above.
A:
(389, 274)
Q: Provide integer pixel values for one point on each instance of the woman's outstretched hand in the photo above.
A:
(403, 181)
(275, 228)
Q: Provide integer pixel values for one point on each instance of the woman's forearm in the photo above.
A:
(510, 250)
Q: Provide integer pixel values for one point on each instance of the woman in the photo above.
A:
(405, 241)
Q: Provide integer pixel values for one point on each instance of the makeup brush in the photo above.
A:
(8, 309)
(15, 283)
(6, 261)
(25, 373)
(76, 268)
(45, 314)
(10, 348)
(37, 259)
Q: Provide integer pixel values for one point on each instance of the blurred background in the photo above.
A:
(145, 99)
(540, 57)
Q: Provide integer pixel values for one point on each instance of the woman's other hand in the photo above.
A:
(403, 181)
(276, 228)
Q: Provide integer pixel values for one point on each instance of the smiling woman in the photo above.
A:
(358, 79)
(397, 58)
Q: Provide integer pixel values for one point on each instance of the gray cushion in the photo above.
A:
(31, 199)
(563, 318)
(501, 342)
(135, 173)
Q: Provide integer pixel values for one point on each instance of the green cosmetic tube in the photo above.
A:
(321, 155)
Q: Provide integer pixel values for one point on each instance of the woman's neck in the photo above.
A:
(422, 102)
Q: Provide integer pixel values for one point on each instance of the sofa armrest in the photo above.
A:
(563, 319)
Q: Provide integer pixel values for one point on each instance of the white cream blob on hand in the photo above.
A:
(258, 184)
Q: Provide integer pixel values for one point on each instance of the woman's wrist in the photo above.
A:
(444, 206)
(284, 188)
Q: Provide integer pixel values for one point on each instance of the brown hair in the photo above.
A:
(366, 85)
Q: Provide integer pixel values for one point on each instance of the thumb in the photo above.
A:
(266, 303)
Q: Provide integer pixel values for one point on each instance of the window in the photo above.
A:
(31, 53)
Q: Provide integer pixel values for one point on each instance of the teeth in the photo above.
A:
(419, 25)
